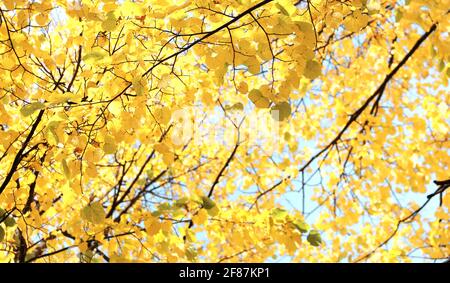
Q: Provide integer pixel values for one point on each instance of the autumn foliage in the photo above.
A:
(224, 131)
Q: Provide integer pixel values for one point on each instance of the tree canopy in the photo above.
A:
(224, 131)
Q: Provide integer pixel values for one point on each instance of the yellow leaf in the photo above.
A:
(253, 65)
(138, 85)
(313, 69)
(286, 7)
(152, 225)
(164, 81)
(93, 213)
(110, 146)
(93, 56)
(201, 217)
(258, 99)
(65, 168)
(162, 115)
(168, 155)
(110, 23)
(243, 87)
(41, 19)
(29, 109)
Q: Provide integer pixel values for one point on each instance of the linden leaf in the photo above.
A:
(110, 23)
(2, 234)
(2, 212)
(138, 86)
(243, 87)
(9, 4)
(279, 213)
(373, 6)
(301, 226)
(162, 115)
(52, 135)
(152, 225)
(181, 202)
(314, 238)
(286, 7)
(258, 99)
(65, 168)
(57, 98)
(168, 155)
(398, 15)
(213, 211)
(41, 19)
(235, 107)
(9, 221)
(110, 146)
(281, 111)
(253, 65)
(93, 213)
(191, 254)
(164, 81)
(207, 202)
(312, 70)
(201, 217)
(93, 56)
(29, 109)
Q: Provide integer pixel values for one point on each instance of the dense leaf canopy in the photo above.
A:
(224, 131)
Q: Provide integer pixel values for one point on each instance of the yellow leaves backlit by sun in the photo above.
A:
(141, 127)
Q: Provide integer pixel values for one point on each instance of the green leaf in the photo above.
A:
(213, 211)
(51, 130)
(286, 7)
(208, 203)
(181, 202)
(164, 206)
(93, 56)
(301, 226)
(191, 254)
(314, 238)
(9, 221)
(279, 213)
(398, 15)
(2, 234)
(87, 256)
(29, 109)
(93, 213)
(237, 106)
(65, 168)
(156, 213)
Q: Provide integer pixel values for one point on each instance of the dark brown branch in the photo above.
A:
(141, 170)
(227, 163)
(19, 154)
(443, 185)
(207, 35)
(50, 254)
(377, 92)
(76, 69)
(30, 198)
